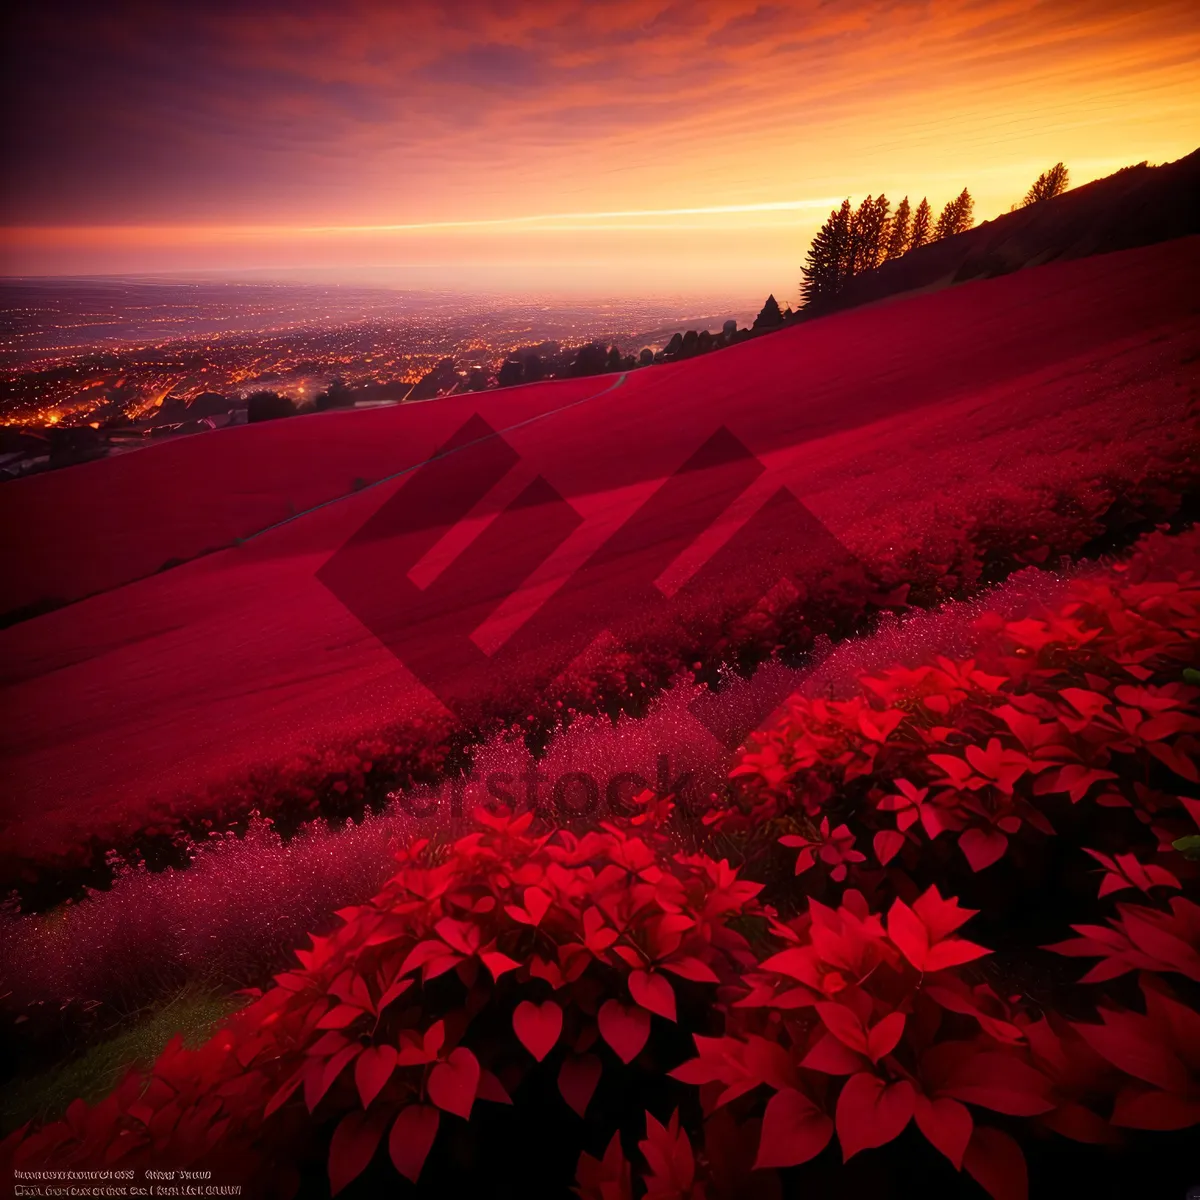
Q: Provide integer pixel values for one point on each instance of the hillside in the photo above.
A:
(914, 432)
(1137, 206)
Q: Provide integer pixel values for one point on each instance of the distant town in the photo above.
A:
(93, 367)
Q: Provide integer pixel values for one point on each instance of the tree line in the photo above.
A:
(860, 239)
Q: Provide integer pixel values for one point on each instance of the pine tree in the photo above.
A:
(898, 234)
(860, 226)
(957, 216)
(875, 237)
(1047, 185)
(920, 226)
(769, 317)
(826, 266)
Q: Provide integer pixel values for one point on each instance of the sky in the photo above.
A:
(623, 148)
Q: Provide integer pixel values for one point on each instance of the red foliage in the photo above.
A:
(972, 752)
(844, 1023)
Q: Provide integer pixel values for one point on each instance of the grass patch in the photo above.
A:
(44, 1097)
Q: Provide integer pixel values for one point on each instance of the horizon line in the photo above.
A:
(415, 226)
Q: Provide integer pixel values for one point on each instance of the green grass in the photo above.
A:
(91, 1076)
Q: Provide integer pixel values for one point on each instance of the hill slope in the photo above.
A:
(905, 429)
(1138, 206)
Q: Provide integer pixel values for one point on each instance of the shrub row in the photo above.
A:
(1010, 527)
(764, 1028)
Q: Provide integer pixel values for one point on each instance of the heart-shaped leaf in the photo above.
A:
(411, 1139)
(454, 1083)
(626, 1030)
(373, 1070)
(794, 1130)
(577, 1080)
(947, 1124)
(653, 992)
(871, 1112)
(538, 1026)
(353, 1147)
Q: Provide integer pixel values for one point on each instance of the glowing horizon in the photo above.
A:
(581, 147)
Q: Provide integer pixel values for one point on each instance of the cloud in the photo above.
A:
(371, 112)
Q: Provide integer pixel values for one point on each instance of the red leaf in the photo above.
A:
(537, 903)
(887, 845)
(398, 988)
(794, 1130)
(883, 1037)
(997, 1164)
(412, 1137)
(947, 1124)
(908, 932)
(607, 1178)
(373, 1070)
(453, 1083)
(1154, 1110)
(982, 847)
(832, 1056)
(653, 992)
(668, 1153)
(1001, 1083)
(577, 1080)
(353, 1147)
(490, 1088)
(626, 1030)
(281, 1097)
(691, 968)
(1127, 1040)
(953, 952)
(320, 1076)
(872, 1113)
(844, 1025)
(340, 1016)
(538, 1026)
(498, 963)
(920, 933)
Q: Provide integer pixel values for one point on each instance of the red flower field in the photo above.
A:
(841, 959)
(943, 441)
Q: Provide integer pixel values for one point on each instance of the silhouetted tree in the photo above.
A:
(859, 225)
(957, 217)
(922, 219)
(510, 373)
(827, 265)
(646, 357)
(673, 347)
(689, 344)
(1047, 185)
(769, 316)
(704, 343)
(592, 359)
(336, 395)
(899, 231)
(614, 359)
(870, 233)
(268, 406)
(535, 368)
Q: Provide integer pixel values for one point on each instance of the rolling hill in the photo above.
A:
(1137, 206)
(903, 429)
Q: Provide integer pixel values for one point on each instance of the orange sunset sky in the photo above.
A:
(628, 148)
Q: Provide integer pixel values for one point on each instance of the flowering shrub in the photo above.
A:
(579, 942)
(519, 959)
(1085, 701)
(906, 561)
